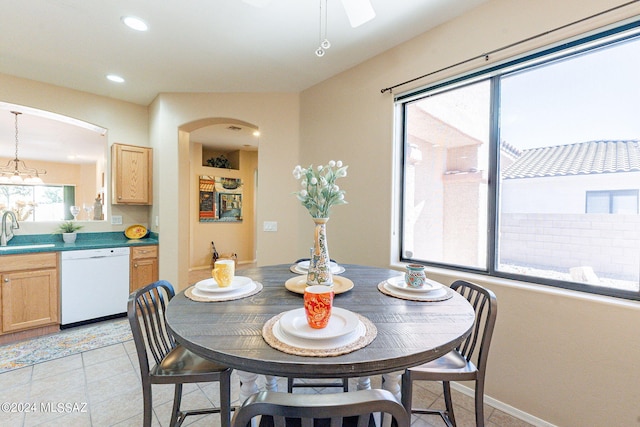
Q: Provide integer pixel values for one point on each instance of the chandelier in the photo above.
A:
(16, 170)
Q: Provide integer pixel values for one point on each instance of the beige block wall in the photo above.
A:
(558, 357)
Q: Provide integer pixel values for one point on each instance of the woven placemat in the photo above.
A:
(418, 297)
(370, 334)
(189, 294)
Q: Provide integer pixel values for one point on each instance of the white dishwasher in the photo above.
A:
(94, 284)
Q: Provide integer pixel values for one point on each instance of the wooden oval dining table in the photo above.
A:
(409, 333)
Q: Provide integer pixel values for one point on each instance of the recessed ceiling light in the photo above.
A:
(115, 78)
(135, 23)
(256, 133)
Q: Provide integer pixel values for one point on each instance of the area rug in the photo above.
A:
(63, 343)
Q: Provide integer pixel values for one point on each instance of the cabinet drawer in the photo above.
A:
(28, 261)
(142, 252)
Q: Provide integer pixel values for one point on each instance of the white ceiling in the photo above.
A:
(196, 45)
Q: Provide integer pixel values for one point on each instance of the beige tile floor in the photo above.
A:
(102, 388)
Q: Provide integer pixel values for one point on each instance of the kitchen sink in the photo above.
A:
(20, 247)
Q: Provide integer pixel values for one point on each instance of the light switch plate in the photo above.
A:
(116, 219)
(270, 226)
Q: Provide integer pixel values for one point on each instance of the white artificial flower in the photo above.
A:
(320, 182)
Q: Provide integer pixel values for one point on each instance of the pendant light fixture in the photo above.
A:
(324, 43)
(16, 171)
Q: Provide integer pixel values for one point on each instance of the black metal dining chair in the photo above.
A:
(292, 383)
(174, 364)
(334, 409)
(457, 365)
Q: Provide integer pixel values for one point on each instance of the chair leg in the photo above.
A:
(177, 398)
(225, 400)
(345, 385)
(289, 385)
(406, 388)
(480, 402)
(448, 402)
(147, 404)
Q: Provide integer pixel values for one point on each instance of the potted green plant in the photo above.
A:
(68, 230)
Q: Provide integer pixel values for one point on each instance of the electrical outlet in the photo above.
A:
(270, 226)
(116, 219)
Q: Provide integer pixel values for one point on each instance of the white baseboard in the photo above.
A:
(507, 409)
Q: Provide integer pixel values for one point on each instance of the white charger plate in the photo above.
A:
(399, 283)
(341, 322)
(225, 295)
(326, 344)
(211, 286)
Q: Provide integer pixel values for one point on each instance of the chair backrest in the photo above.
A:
(308, 408)
(485, 305)
(146, 310)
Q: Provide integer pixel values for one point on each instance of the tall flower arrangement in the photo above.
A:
(318, 194)
(319, 190)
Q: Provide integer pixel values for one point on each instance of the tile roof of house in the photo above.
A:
(584, 158)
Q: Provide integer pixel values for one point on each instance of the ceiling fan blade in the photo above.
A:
(358, 11)
(257, 3)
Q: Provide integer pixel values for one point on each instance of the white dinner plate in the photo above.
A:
(210, 285)
(435, 295)
(399, 283)
(213, 296)
(341, 322)
(327, 344)
(303, 267)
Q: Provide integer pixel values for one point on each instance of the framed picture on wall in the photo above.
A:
(220, 199)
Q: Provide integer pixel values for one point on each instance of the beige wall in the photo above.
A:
(125, 122)
(83, 176)
(562, 357)
(237, 237)
(277, 116)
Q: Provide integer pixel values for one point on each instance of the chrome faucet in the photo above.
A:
(7, 235)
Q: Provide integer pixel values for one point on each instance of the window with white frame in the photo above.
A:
(37, 202)
(515, 172)
(612, 202)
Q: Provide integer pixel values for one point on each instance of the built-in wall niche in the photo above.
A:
(221, 159)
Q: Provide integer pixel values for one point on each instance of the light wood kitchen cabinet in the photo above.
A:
(131, 174)
(29, 291)
(144, 266)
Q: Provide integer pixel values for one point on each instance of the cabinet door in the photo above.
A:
(143, 272)
(131, 174)
(29, 299)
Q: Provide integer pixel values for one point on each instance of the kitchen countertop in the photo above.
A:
(83, 241)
